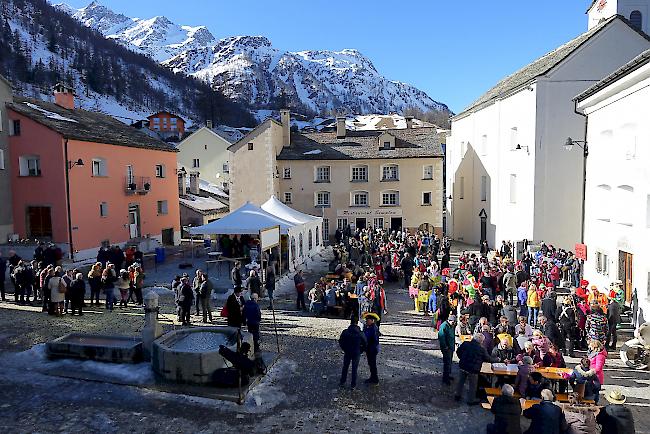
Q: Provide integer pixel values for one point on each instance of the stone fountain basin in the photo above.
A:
(192, 355)
(104, 348)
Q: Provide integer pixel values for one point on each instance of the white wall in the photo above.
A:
(616, 219)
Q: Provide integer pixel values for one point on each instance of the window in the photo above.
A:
(427, 172)
(317, 231)
(461, 188)
(636, 19)
(2, 159)
(624, 197)
(225, 168)
(286, 173)
(603, 194)
(386, 145)
(426, 198)
(647, 213)
(173, 121)
(103, 209)
(300, 245)
(29, 165)
(390, 198)
(250, 146)
(130, 179)
(99, 167)
(288, 196)
(378, 222)
(513, 188)
(360, 198)
(310, 241)
(326, 229)
(341, 224)
(160, 171)
(16, 128)
(602, 263)
(162, 207)
(323, 174)
(156, 120)
(323, 198)
(390, 173)
(463, 148)
(196, 163)
(484, 145)
(360, 174)
(513, 138)
(483, 188)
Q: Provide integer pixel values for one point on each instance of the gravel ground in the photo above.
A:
(300, 393)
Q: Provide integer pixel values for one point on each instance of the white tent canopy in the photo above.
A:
(277, 208)
(245, 220)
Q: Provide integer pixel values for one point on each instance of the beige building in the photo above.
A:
(390, 178)
(206, 152)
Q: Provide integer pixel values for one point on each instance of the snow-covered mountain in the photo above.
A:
(251, 70)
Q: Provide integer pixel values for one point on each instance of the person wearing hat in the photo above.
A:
(447, 343)
(371, 333)
(613, 320)
(615, 418)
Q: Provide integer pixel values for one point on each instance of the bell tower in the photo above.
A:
(637, 12)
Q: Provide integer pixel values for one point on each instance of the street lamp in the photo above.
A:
(582, 144)
(69, 165)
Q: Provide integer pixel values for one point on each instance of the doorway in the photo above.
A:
(396, 223)
(39, 221)
(360, 223)
(625, 261)
(134, 221)
(168, 237)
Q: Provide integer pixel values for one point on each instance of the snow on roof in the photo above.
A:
(49, 114)
(203, 204)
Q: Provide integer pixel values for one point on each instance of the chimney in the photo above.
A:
(194, 183)
(409, 122)
(182, 181)
(208, 123)
(340, 127)
(64, 96)
(285, 120)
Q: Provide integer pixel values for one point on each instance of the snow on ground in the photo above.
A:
(36, 359)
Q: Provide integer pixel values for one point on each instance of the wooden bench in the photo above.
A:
(561, 397)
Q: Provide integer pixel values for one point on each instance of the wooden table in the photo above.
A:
(465, 338)
(528, 403)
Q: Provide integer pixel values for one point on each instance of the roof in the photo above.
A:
(6, 81)
(543, 65)
(634, 64)
(165, 111)
(212, 131)
(202, 204)
(259, 128)
(277, 208)
(409, 143)
(248, 219)
(86, 126)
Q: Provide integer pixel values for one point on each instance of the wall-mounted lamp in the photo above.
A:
(79, 162)
(519, 148)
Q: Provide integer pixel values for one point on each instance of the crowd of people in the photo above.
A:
(117, 278)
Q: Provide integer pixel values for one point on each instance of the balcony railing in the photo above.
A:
(137, 184)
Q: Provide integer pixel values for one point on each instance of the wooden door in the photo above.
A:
(625, 262)
(39, 221)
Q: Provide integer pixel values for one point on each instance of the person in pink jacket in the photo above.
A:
(597, 356)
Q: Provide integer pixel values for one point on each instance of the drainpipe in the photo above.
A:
(67, 198)
(584, 170)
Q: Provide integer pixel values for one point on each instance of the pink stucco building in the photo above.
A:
(85, 179)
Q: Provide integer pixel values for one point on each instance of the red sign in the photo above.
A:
(581, 251)
(601, 5)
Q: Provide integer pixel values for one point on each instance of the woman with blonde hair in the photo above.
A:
(533, 304)
(597, 357)
(95, 283)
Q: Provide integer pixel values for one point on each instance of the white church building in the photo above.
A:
(617, 222)
(505, 155)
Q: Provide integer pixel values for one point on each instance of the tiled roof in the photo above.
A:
(409, 143)
(634, 64)
(541, 66)
(86, 126)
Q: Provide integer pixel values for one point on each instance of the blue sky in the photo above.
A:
(453, 50)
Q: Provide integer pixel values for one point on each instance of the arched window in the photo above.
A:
(300, 245)
(317, 236)
(293, 248)
(636, 19)
(310, 242)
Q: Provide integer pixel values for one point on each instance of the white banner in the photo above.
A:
(269, 237)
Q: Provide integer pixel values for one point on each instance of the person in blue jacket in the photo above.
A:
(371, 332)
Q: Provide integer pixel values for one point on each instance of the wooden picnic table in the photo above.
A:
(528, 403)
(553, 374)
(465, 338)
